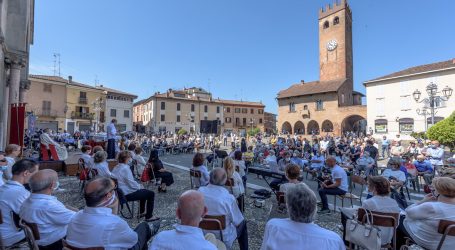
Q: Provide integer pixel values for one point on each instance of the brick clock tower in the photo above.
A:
(335, 42)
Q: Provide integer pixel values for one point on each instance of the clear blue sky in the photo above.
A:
(249, 49)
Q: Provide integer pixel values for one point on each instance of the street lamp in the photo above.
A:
(424, 111)
(432, 99)
(98, 106)
(252, 123)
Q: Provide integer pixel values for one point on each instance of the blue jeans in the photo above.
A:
(384, 149)
(323, 192)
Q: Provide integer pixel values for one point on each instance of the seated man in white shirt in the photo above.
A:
(98, 224)
(220, 202)
(337, 186)
(12, 195)
(50, 215)
(299, 231)
(187, 234)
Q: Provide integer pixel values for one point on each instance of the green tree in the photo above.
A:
(254, 131)
(182, 132)
(444, 132)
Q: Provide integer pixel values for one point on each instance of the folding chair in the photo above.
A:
(67, 246)
(214, 222)
(16, 245)
(196, 174)
(355, 179)
(383, 220)
(31, 233)
(348, 195)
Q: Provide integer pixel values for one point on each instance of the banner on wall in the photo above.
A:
(17, 122)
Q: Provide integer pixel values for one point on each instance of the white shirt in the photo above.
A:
(220, 202)
(88, 160)
(241, 165)
(98, 227)
(317, 158)
(339, 173)
(12, 195)
(287, 234)
(181, 238)
(437, 154)
(285, 186)
(398, 174)
(238, 188)
(51, 216)
(204, 180)
(126, 181)
(422, 223)
(140, 162)
(111, 131)
(9, 171)
(103, 169)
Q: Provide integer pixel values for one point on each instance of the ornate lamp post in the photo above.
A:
(97, 106)
(432, 99)
(252, 123)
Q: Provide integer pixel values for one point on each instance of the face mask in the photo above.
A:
(433, 146)
(287, 159)
(57, 184)
(108, 202)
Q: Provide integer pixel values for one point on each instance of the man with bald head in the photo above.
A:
(98, 224)
(187, 234)
(337, 186)
(51, 216)
(220, 202)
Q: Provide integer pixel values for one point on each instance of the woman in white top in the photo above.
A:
(379, 186)
(139, 159)
(240, 164)
(12, 151)
(238, 188)
(101, 165)
(292, 174)
(422, 218)
(198, 164)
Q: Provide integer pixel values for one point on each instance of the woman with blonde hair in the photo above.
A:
(237, 188)
(423, 217)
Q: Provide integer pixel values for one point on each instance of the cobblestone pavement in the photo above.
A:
(166, 203)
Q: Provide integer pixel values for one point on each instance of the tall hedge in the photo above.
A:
(444, 132)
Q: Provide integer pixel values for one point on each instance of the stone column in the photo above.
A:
(24, 87)
(14, 82)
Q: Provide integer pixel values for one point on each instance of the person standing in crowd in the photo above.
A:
(337, 186)
(187, 234)
(50, 215)
(385, 146)
(12, 196)
(159, 171)
(299, 230)
(98, 225)
(111, 133)
(436, 155)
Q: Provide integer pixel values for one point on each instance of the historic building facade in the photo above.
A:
(16, 36)
(192, 108)
(119, 106)
(391, 106)
(330, 104)
(270, 122)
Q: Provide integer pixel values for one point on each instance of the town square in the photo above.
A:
(326, 124)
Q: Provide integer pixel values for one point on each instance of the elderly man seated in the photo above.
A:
(365, 163)
(299, 231)
(424, 169)
(187, 234)
(220, 202)
(12, 195)
(51, 216)
(98, 224)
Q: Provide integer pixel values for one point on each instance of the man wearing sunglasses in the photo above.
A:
(98, 225)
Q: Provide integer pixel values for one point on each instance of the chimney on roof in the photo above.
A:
(302, 81)
(70, 79)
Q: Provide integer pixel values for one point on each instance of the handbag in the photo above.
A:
(364, 235)
(145, 177)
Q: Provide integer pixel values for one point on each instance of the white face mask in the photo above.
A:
(108, 202)
(57, 185)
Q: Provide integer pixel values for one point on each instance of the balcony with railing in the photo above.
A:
(81, 115)
(48, 113)
(83, 100)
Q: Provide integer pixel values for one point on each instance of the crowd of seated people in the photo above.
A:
(331, 160)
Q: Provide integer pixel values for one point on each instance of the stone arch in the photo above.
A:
(299, 128)
(327, 126)
(312, 127)
(286, 128)
(354, 123)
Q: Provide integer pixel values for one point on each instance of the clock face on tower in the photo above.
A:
(332, 44)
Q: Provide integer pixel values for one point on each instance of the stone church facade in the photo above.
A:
(329, 105)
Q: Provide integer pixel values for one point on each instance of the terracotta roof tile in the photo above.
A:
(310, 88)
(418, 69)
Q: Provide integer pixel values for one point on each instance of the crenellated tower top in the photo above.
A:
(337, 6)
